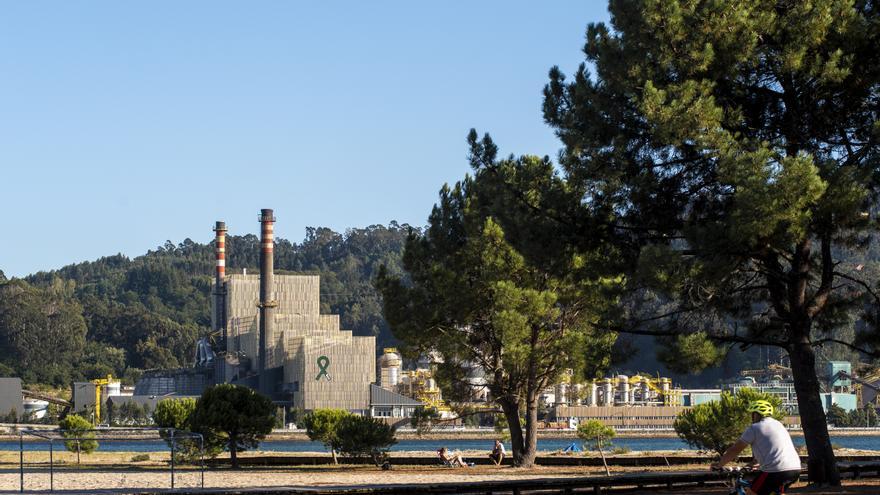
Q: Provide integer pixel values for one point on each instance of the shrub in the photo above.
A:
(361, 437)
(594, 434)
(79, 429)
(176, 413)
(716, 425)
(140, 458)
(321, 426)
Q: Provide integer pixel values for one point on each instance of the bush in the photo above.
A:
(361, 437)
(594, 433)
(716, 425)
(140, 458)
(321, 426)
(80, 430)
(176, 413)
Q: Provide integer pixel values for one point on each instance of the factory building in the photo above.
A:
(274, 338)
(10, 397)
(648, 403)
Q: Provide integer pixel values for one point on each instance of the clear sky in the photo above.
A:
(123, 124)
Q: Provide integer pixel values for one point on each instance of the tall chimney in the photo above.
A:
(220, 292)
(267, 303)
(219, 276)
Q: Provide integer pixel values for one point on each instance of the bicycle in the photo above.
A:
(736, 481)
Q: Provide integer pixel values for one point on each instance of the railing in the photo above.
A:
(172, 437)
(596, 485)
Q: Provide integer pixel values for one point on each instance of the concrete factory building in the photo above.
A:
(275, 339)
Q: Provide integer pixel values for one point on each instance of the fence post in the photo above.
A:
(172, 458)
(21, 461)
(51, 466)
(202, 457)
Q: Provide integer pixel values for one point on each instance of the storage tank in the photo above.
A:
(389, 369)
(608, 390)
(594, 389)
(577, 394)
(561, 394)
(665, 385)
(623, 389)
(646, 388)
(35, 408)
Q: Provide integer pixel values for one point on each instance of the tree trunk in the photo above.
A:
(821, 465)
(517, 443)
(604, 462)
(530, 445)
(233, 454)
(333, 453)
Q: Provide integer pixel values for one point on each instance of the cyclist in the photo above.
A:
(780, 464)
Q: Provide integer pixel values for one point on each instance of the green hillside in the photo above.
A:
(121, 316)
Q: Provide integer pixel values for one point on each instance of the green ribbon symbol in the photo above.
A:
(323, 363)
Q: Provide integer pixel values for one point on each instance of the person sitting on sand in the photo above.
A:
(498, 452)
(450, 458)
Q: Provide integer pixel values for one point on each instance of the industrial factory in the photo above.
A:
(644, 402)
(270, 335)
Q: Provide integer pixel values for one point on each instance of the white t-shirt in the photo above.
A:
(772, 446)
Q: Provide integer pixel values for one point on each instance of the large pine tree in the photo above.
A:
(732, 147)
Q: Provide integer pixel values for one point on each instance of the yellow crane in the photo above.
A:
(100, 383)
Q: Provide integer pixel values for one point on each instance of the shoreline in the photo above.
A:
(11, 435)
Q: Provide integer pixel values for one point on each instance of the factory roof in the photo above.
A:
(381, 397)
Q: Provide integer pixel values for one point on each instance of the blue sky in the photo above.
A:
(125, 124)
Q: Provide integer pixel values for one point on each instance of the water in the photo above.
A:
(862, 442)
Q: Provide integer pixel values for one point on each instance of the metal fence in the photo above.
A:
(178, 442)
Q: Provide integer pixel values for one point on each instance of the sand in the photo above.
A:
(117, 471)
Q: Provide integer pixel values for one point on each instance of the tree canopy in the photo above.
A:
(730, 151)
(234, 415)
(485, 293)
(322, 425)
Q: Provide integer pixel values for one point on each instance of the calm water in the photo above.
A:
(550, 444)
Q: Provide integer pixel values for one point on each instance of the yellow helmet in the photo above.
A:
(761, 407)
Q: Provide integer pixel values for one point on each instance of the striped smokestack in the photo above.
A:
(267, 303)
(220, 252)
(220, 278)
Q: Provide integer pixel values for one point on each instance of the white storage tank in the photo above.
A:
(608, 390)
(561, 394)
(389, 369)
(594, 390)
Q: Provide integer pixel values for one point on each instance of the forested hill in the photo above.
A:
(121, 316)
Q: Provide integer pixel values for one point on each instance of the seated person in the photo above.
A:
(498, 452)
(451, 459)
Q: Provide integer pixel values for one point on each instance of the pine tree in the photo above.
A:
(732, 148)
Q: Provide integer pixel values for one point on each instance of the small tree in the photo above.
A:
(176, 414)
(594, 433)
(237, 416)
(717, 425)
(838, 417)
(360, 436)
(321, 426)
(79, 429)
